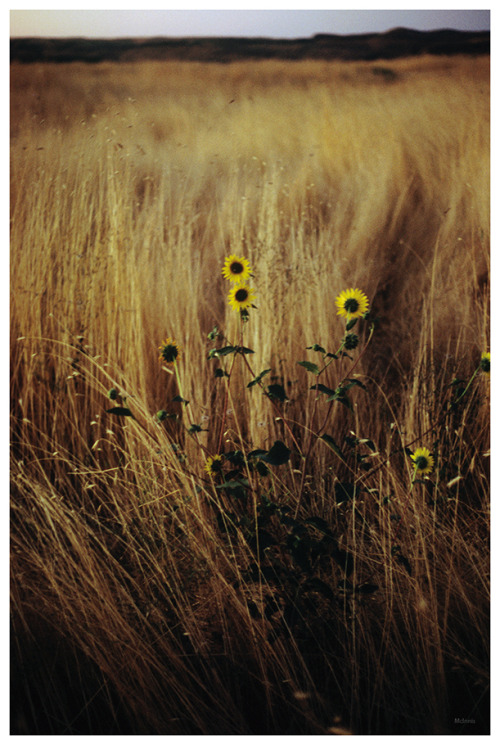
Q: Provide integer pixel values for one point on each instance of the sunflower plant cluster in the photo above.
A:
(233, 476)
(237, 270)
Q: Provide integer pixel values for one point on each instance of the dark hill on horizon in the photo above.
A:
(398, 42)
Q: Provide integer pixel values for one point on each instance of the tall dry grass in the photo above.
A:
(137, 602)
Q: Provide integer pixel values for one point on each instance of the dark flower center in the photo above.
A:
(421, 462)
(236, 267)
(169, 353)
(241, 295)
(351, 305)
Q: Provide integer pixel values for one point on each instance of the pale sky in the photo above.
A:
(289, 23)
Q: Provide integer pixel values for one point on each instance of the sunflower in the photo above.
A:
(213, 465)
(485, 362)
(423, 462)
(352, 303)
(241, 297)
(236, 269)
(170, 351)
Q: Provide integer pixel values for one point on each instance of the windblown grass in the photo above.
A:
(143, 598)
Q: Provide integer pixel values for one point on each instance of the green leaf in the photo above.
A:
(310, 366)
(341, 396)
(120, 411)
(223, 351)
(276, 390)
(322, 389)
(350, 382)
(196, 428)
(262, 469)
(180, 400)
(351, 324)
(278, 455)
(233, 484)
(244, 350)
(317, 348)
(220, 373)
(332, 444)
(213, 333)
(257, 453)
(162, 415)
(259, 377)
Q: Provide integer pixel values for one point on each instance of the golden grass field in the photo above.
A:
(334, 593)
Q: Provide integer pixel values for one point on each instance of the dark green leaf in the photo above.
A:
(322, 389)
(233, 484)
(162, 415)
(262, 469)
(332, 444)
(317, 348)
(257, 453)
(259, 377)
(120, 411)
(351, 324)
(310, 366)
(277, 391)
(244, 350)
(223, 351)
(350, 382)
(180, 400)
(340, 396)
(278, 455)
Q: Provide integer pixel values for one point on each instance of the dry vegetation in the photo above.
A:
(144, 599)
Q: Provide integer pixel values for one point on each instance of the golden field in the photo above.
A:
(333, 589)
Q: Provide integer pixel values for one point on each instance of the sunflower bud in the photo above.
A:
(351, 341)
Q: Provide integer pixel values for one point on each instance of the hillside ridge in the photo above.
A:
(397, 42)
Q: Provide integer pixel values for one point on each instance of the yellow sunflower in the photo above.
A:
(352, 303)
(170, 351)
(423, 462)
(485, 362)
(213, 465)
(241, 297)
(236, 269)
